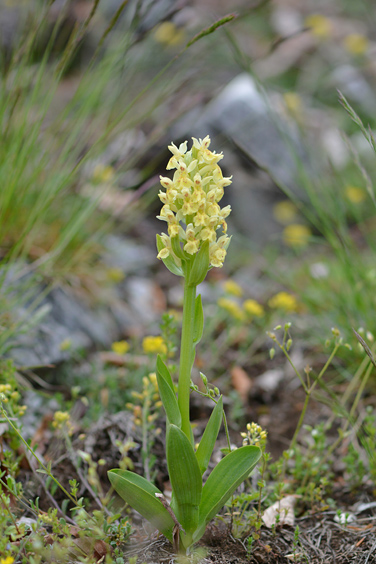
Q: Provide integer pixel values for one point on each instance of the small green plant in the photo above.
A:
(193, 215)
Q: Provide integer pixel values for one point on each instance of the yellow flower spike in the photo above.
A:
(154, 345)
(354, 194)
(233, 288)
(253, 308)
(319, 25)
(191, 205)
(285, 301)
(120, 347)
(356, 44)
(296, 235)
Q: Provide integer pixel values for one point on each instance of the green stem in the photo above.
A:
(187, 354)
(301, 420)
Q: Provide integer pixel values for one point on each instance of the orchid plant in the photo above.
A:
(191, 247)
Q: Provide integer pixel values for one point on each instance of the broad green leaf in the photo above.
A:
(209, 437)
(198, 323)
(185, 478)
(169, 261)
(200, 265)
(164, 372)
(140, 494)
(167, 393)
(229, 473)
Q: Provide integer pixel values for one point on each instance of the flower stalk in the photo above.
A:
(187, 355)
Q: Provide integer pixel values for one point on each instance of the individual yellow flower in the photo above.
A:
(168, 33)
(115, 275)
(120, 347)
(233, 288)
(296, 235)
(285, 212)
(355, 195)
(319, 25)
(154, 345)
(293, 104)
(66, 344)
(283, 300)
(103, 173)
(191, 204)
(7, 560)
(356, 43)
(232, 308)
(253, 308)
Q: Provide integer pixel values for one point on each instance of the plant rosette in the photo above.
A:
(191, 247)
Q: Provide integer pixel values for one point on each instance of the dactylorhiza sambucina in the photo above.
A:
(191, 204)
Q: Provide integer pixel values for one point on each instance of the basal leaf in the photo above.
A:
(140, 494)
(198, 324)
(185, 478)
(209, 437)
(229, 473)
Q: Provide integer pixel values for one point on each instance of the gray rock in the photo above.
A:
(267, 148)
(64, 322)
(270, 381)
(127, 255)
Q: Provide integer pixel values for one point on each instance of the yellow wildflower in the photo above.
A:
(253, 308)
(61, 420)
(103, 173)
(232, 308)
(7, 560)
(293, 104)
(120, 347)
(319, 25)
(115, 275)
(285, 212)
(232, 287)
(168, 33)
(154, 345)
(296, 235)
(356, 43)
(254, 435)
(354, 194)
(66, 344)
(191, 204)
(4, 388)
(283, 300)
